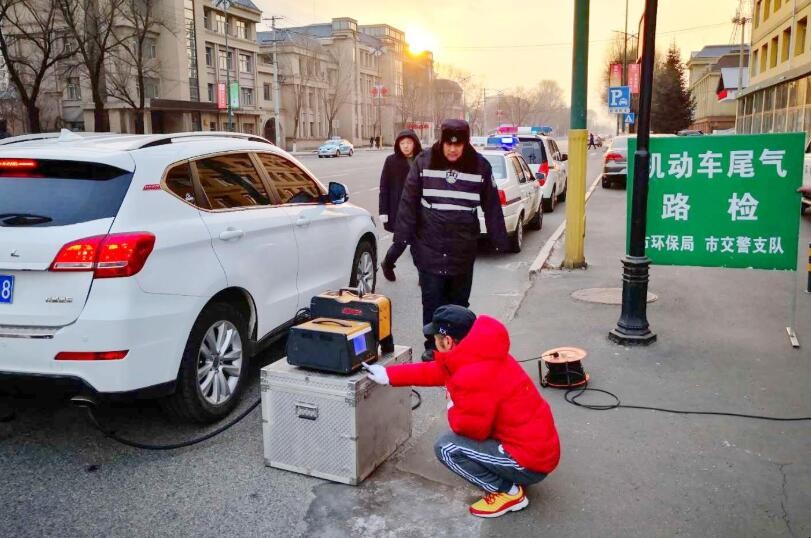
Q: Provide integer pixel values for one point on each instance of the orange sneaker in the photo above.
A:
(498, 504)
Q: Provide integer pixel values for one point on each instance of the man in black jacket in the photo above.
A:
(437, 216)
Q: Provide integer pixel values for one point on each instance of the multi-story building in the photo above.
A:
(338, 79)
(778, 98)
(713, 82)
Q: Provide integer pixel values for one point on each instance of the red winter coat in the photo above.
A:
(493, 398)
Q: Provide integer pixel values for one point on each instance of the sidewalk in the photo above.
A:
(722, 347)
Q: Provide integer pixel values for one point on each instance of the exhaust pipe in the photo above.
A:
(84, 402)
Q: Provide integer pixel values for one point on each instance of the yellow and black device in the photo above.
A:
(331, 345)
(348, 303)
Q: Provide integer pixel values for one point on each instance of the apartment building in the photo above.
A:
(713, 81)
(778, 98)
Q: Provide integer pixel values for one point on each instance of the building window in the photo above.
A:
(219, 23)
(210, 56)
(266, 90)
(247, 96)
(777, 5)
(150, 88)
(73, 89)
(248, 128)
(754, 66)
(226, 60)
(802, 29)
(767, 10)
(211, 92)
(240, 29)
(245, 63)
(207, 19)
(151, 49)
(784, 54)
(764, 57)
(757, 13)
(68, 44)
(773, 52)
(191, 50)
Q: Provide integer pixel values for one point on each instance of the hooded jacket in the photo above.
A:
(437, 213)
(491, 397)
(393, 178)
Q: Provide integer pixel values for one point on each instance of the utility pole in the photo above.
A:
(633, 327)
(624, 60)
(741, 21)
(276, 120)
(578, 139)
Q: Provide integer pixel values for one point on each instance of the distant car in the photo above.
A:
(335, 147)
(615, 167)
(544, 157)
(519, 193)
(478, 141)
(690, 132)
(159, 265)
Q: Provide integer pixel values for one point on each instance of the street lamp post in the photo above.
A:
(633, 327)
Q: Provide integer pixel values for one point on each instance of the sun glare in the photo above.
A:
(419, 40)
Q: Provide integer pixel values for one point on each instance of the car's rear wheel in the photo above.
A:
(606, 183)
(517, 238)
(562, 195)
(550, 203)
(364, 268)
(536, 223)
(351, 152)
(213, 367)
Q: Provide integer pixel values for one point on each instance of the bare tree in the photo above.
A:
(32, 45)
(302, 64)
(413, 102)
(547, 102)
(132, 58)
(339, 90)
(92, 24)
(519, 105)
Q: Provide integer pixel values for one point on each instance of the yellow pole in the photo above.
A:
(576, 200)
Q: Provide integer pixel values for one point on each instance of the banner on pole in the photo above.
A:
(615, 75)
(222, 104)
(234, 95)
(723, 201)
(634, 77)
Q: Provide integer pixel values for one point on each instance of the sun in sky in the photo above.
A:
(419, 40)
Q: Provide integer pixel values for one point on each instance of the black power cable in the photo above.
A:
(572, 395)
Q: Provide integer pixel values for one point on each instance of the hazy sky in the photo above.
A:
(505, 43)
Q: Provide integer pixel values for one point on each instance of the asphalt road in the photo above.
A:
(59, 476)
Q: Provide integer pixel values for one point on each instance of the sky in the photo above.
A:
(505, 44)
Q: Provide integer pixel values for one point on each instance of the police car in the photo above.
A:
(518, 189)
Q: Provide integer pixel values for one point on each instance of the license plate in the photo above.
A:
(6, 289)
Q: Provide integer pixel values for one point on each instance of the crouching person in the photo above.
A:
(502, 436)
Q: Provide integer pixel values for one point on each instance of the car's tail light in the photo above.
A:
(502, 197)
(91, 355)
(18, 164)
(108, 256)
(613, 157)
(543, 169)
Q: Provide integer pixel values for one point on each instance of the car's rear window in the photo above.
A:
(533, 151)
(59, 193)
(499, 167)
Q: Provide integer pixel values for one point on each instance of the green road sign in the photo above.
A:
(723, 201)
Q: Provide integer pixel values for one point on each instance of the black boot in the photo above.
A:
(388, 271)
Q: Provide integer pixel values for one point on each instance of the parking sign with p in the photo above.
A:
(619, 99)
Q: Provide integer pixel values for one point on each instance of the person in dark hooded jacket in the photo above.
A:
(503, 435)
(392, 179)
(438, 218)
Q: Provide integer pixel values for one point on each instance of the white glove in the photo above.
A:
(377, 373)
(384, 219)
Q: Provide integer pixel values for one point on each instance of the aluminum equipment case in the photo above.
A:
(332, 426)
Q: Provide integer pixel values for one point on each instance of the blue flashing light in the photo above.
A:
(506, 143)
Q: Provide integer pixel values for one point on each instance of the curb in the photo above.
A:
(546, 250)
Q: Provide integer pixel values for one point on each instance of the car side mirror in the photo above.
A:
(564, 157)
(540, 175)
(337, 193)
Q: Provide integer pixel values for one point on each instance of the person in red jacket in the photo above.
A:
(502, 436)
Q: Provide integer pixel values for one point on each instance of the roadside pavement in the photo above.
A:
(722, 346)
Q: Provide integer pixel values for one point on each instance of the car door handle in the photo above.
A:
(230, 234)
(302, 221)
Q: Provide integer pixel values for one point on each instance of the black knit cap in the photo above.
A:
(455, 132)
(451, 320)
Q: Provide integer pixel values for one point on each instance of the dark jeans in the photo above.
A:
(439, 290)
(483, 464)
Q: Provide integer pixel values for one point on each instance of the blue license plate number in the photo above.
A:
(6, 289)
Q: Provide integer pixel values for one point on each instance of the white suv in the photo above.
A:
(549, 164)
(159, 264)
